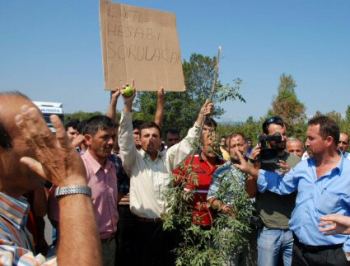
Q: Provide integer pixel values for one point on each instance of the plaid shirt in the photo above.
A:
(228, 178)
(16, 243)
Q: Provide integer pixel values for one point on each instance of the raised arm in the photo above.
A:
(57, 161)
(178, 152)
(127, 149)
(266, 180)
(158, 118)
(112, 107)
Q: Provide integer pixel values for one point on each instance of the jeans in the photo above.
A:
(272, 243)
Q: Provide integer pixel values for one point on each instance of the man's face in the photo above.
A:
(150, 140)
(72, 133)
(223, 142)
(315, 144)
(343, 144)
(295, 147)
(137, 141)
(101, 144)
(237, 143)
(16, 178)
(208, 140)
(275, 129)
(172, 139)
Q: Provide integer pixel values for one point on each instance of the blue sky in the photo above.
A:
(51, 51)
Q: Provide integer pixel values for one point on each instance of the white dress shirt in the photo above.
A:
(149, 178)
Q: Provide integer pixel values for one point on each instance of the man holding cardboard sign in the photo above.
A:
(149, 171)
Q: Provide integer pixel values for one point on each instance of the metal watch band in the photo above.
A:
(70, 190)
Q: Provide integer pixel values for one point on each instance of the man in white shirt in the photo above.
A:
(149, 171)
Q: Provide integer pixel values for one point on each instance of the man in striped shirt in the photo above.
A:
(30, 153)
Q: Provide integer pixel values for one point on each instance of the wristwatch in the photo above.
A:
(70, 190)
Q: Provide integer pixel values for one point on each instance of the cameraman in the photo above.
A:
(274, 237)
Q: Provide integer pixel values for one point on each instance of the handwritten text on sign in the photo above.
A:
(140, 44)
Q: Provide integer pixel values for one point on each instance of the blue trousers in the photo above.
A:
(273, 246)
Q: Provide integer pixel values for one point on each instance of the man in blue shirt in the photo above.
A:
(322, 184)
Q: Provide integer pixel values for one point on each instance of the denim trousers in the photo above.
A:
(274, 247)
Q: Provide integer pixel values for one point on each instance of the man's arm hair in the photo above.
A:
(56, 160)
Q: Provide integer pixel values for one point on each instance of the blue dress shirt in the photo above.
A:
(316, 197)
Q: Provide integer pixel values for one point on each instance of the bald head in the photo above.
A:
(15, 178)
(343, 143)
(295, 146)
(10, 104)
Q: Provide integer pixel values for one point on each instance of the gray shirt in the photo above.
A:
(275, 210)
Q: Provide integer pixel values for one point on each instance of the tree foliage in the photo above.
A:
(286, 103)
(181, 108)
(80, 115)
(210, 246)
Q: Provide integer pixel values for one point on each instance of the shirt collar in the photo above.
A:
(217, 159)
(14, 210)
(94, 164)
(144, 154)
(337, 169)
(340, 165)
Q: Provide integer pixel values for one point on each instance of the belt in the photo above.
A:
(314, 248)
(148, 220)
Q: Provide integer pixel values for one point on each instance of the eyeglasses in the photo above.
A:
(343, 142)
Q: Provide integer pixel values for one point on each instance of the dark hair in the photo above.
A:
(272, 120)
(73, 124)
(173, 131)
(81, 127)
(137, 123)
(210, 122)
(98, 122)
(150, 125)
(328, 127)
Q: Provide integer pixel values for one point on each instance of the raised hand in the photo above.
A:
(206, 109)
(128, 100)
(160, 94)
(54, 157)
(115, 95)
(244, 166)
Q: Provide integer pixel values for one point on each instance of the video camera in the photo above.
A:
(269, 155)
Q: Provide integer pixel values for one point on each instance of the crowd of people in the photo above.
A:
(102, 184)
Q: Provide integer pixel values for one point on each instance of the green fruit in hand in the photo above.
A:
(128, 91)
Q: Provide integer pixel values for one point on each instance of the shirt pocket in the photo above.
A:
(328, 202)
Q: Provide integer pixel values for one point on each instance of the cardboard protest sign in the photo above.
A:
(140, 44)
